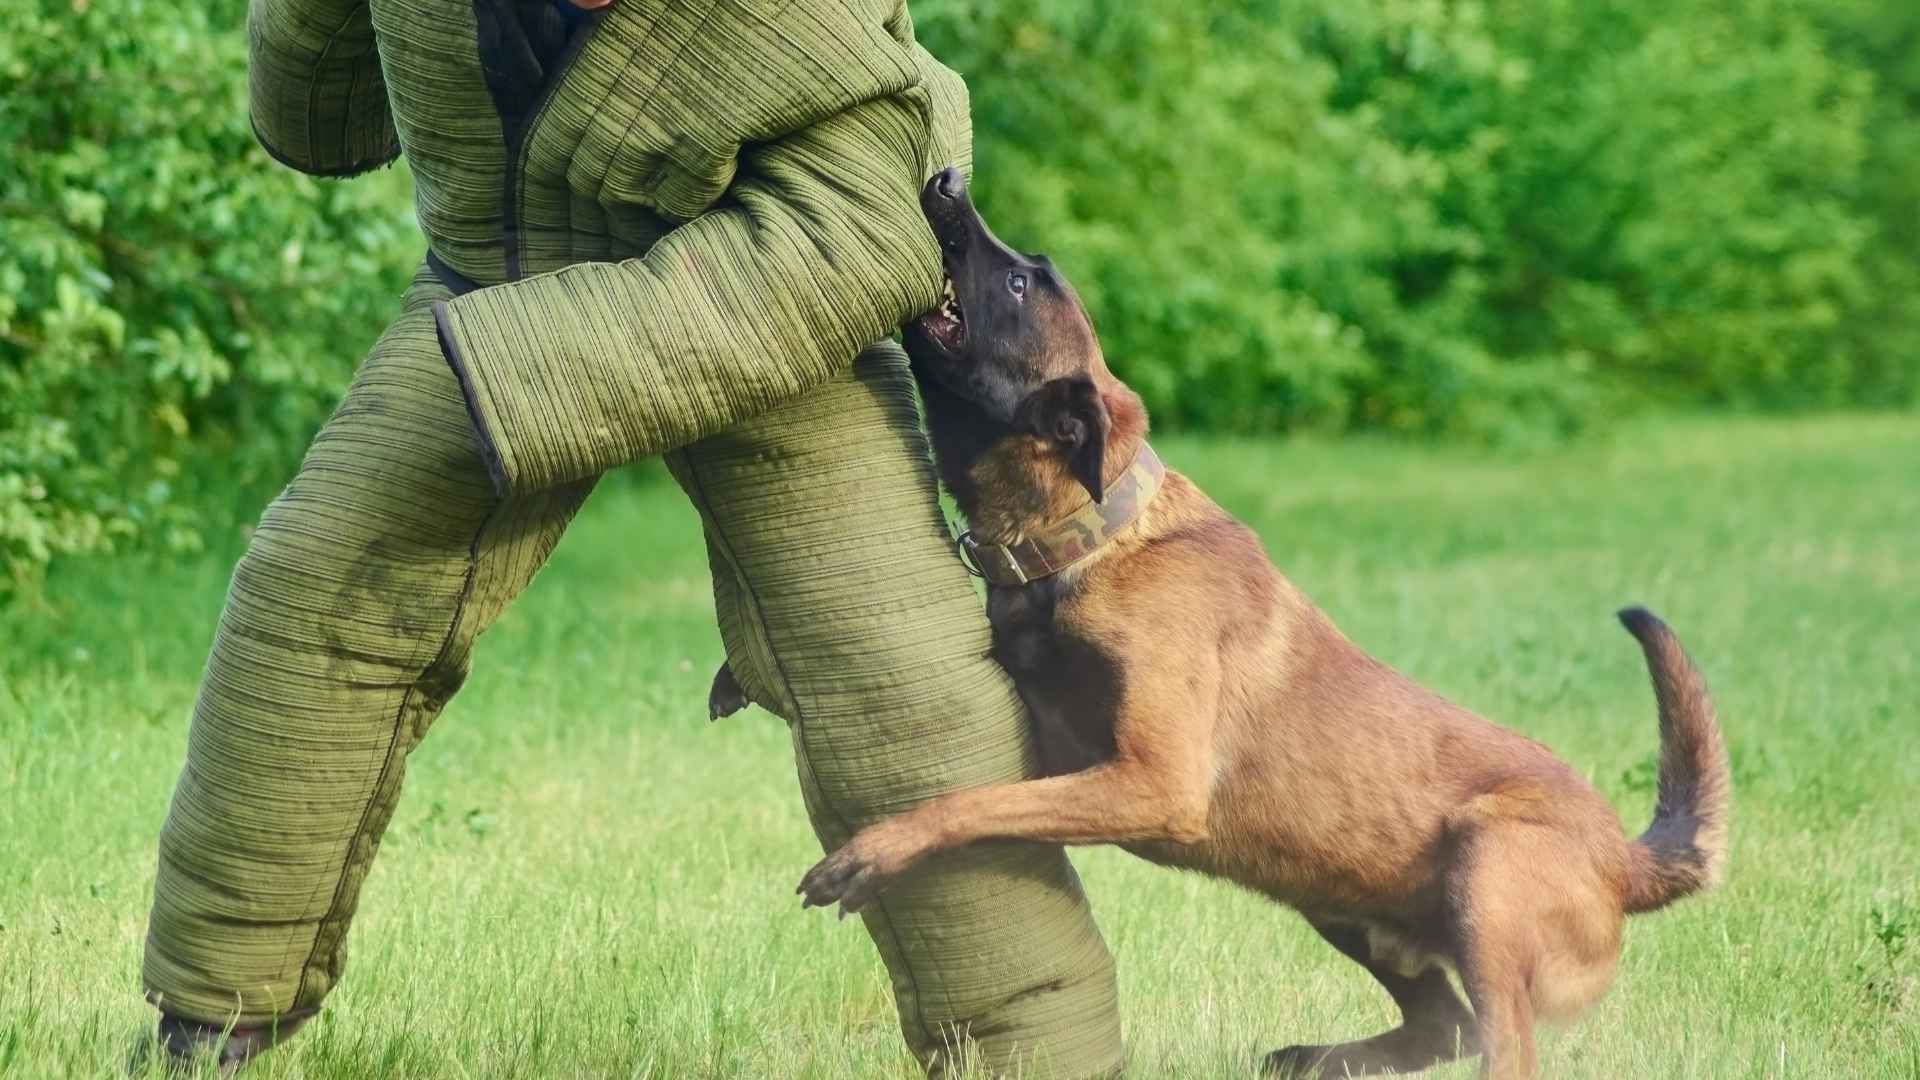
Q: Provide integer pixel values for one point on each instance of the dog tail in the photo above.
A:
(1685, 849)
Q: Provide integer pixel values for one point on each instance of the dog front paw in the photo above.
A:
(842, 877)
(854, 875)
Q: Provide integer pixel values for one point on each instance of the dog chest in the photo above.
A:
(1071, 687)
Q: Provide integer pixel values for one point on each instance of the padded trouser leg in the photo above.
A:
(347, 627)
(844, 611)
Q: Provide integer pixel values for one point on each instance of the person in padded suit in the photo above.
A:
(675, 227)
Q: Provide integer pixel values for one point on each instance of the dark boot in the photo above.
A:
(182, 1041)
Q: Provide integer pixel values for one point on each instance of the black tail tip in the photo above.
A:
(1640, 622)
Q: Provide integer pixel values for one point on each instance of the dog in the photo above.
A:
(1191, 705)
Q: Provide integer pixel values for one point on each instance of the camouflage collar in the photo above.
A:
(1072, 538)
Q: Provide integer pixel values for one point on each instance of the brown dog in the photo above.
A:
(1194, 707)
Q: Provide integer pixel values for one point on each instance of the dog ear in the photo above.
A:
(1071, 414)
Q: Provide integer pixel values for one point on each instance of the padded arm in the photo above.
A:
(316, 93)
(819, 249)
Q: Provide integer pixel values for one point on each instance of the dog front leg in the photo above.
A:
(1118, 802)
(1157, 786)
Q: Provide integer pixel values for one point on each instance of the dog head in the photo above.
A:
(1014, 344)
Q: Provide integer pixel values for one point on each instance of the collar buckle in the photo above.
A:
(994, 562)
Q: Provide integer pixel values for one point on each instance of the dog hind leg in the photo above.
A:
(1505, 1014)
(1436, 1026)
(1500, 905)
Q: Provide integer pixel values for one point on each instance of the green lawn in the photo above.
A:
(586, 878)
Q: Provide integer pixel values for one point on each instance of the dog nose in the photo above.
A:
(949, 184)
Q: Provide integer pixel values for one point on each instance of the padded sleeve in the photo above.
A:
(816, 248)
(316, 94)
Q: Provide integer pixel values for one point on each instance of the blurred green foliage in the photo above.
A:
(177, 312)
(1494, 220)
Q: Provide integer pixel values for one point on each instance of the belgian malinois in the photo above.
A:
(1192, 706)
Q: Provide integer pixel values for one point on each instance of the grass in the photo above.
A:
(586, 878)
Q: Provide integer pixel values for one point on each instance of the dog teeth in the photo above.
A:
(950, 304)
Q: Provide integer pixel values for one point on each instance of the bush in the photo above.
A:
(1882, 339)
(1466, 218)
(1487, 219)
(174, 307)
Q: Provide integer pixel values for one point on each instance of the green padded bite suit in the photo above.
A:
(663, 228)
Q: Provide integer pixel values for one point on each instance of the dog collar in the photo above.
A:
(1072, 538)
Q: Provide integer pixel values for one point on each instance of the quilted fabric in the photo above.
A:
(793, 150)
(685, 220)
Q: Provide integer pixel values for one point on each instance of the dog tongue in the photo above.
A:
(944, 327)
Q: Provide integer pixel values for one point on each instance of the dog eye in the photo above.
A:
(1017, 283)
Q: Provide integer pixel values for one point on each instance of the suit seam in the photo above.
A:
(786, 685)
(393, 748)
(313, 85)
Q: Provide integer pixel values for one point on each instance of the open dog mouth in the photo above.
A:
(947, 324)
